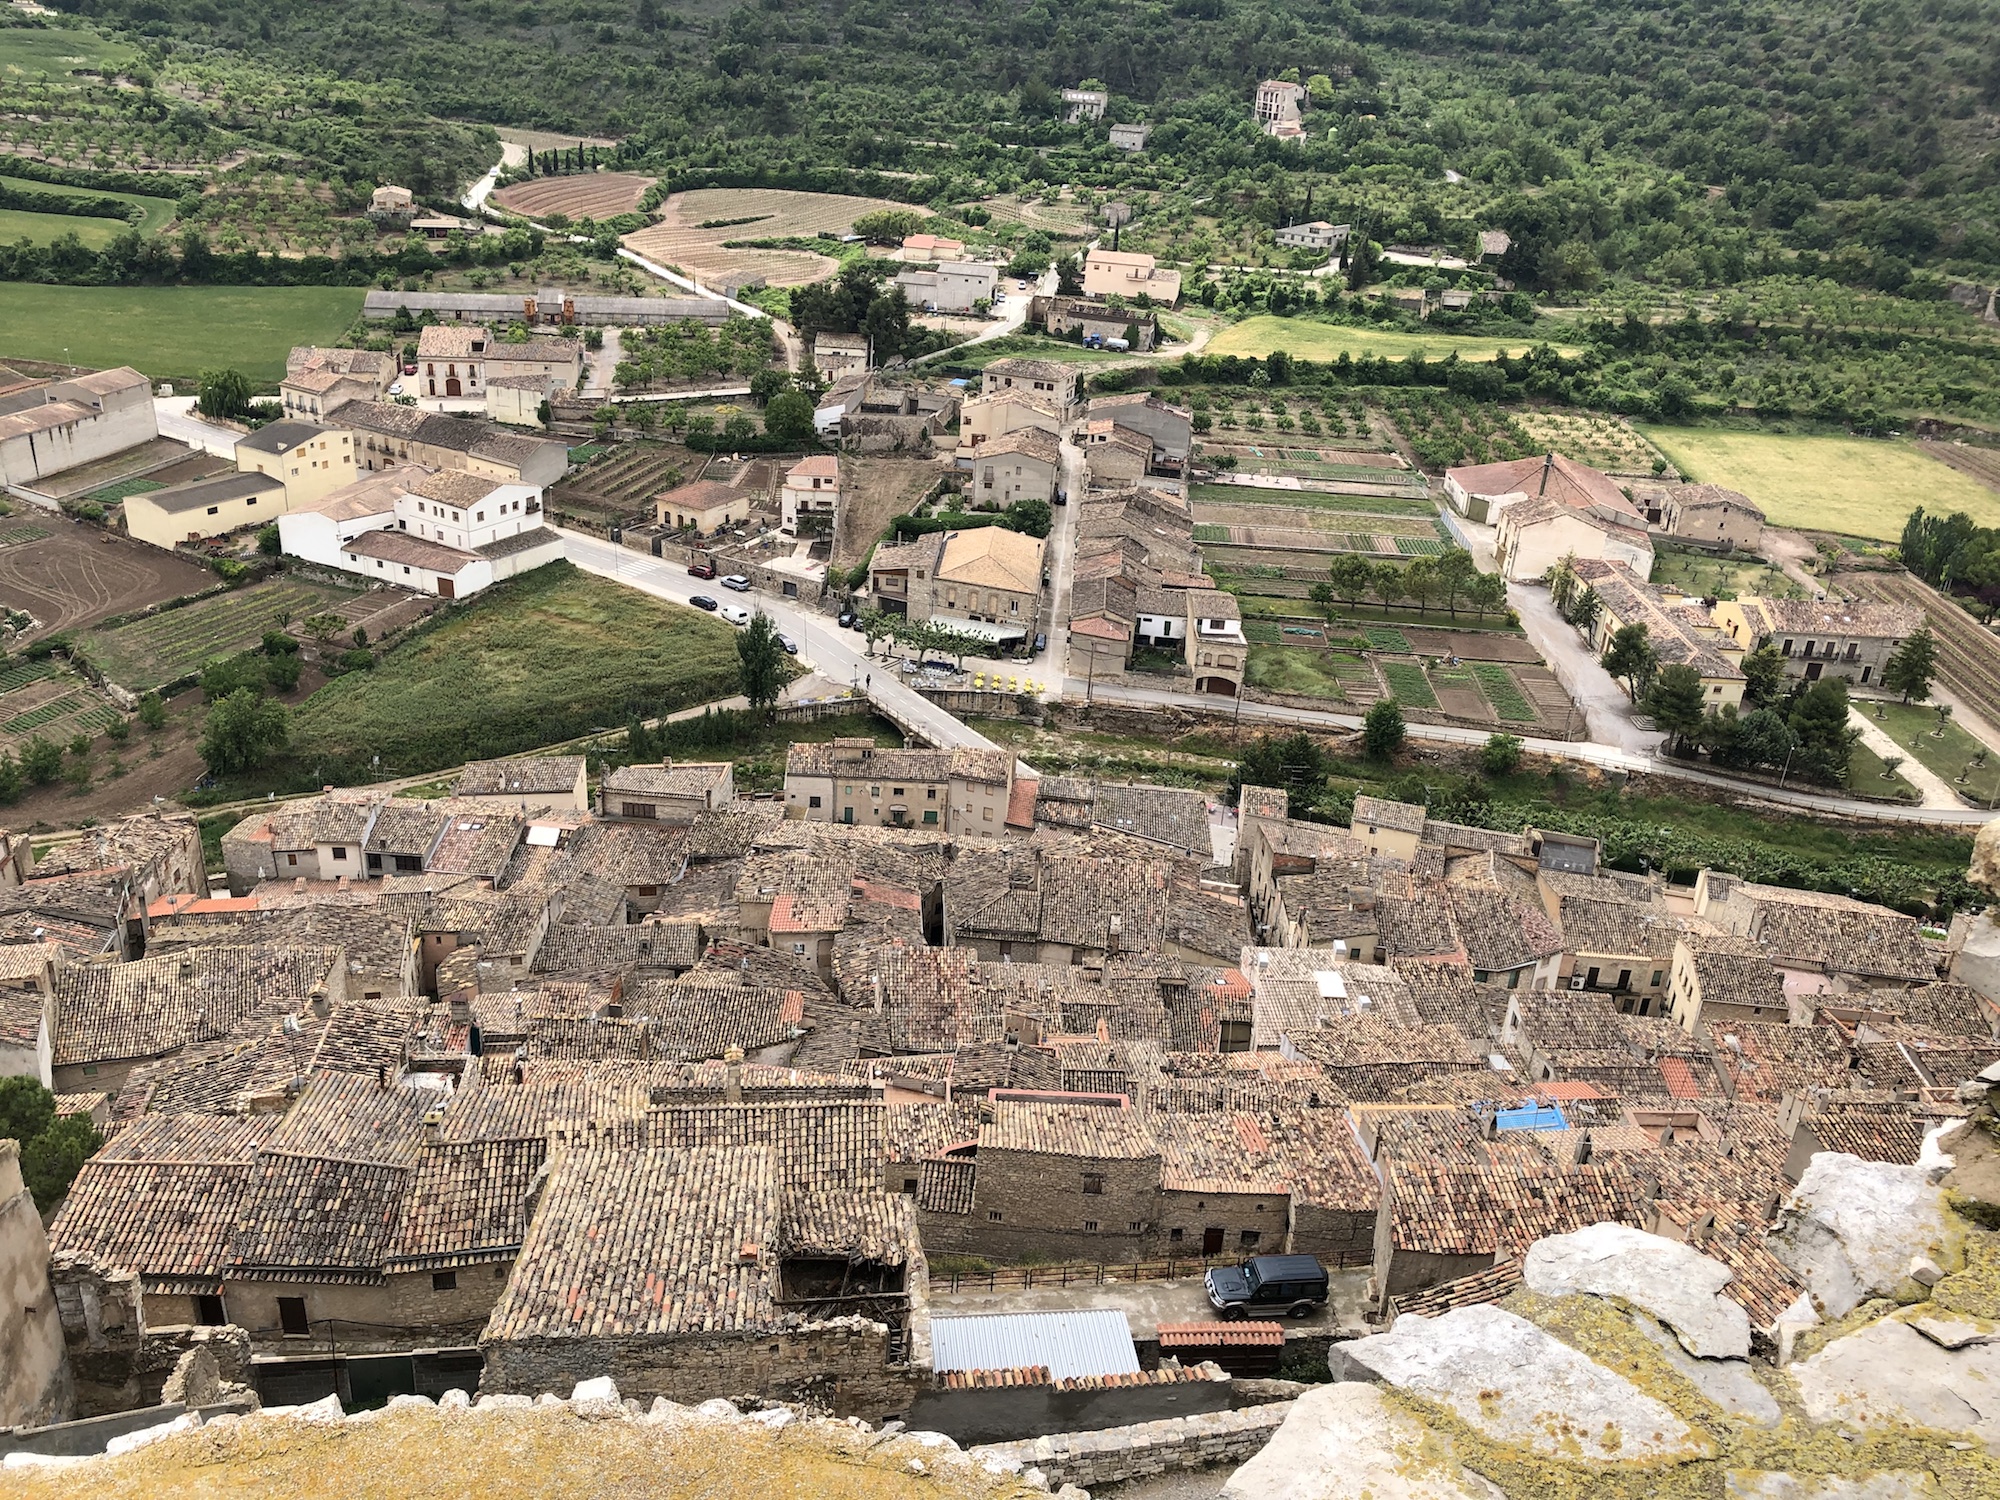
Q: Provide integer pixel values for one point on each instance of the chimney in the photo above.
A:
(433, 1125)
(732, 1076)
(382, 1077)
(1584, 1149)
(461, 1008)
(1547, 464)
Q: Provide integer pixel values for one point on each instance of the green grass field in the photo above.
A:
(158, 210)
(1723, 577)
(1854, 486)
(44, 229)
(539, 659)
(30, 52)
(1305, 339)
(172, 333)
(1286, 669)
(1950, 755)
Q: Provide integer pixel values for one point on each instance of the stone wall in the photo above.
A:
(1014, 1413)
(34, 1374)
(1338, 1236)
(1043, 1208)
(841, 1365)
(1145, 1449)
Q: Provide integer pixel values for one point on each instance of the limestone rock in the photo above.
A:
(1890, 1484)
(1517, 1384)
(196, 1381)
(187, 1421)
(1674, 1282)
(1984, 871)
(718, 1410)
(506, 1401)
(597, 1399)
(454, 1400)
(1955, 1330)
(399, 1403)
(326, 1409)
(1889, 1375)
(1729, 1383)
(1852, 1227)
(1344, 1442)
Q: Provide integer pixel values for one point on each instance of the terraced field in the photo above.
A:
(165, 646)
(678, 239)
(588, 195)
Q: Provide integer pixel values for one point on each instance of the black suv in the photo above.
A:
(1293, 1284)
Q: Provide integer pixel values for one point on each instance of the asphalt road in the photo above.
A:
(824, 646)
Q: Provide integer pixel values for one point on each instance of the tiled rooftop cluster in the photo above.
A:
(645, 1073)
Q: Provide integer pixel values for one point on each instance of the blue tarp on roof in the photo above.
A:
(1092, 1341)
(1529, 1115)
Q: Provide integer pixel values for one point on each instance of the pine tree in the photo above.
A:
(1912, 666)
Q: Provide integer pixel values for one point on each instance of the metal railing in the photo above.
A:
(1098, 1273)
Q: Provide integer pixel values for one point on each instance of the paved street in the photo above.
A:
(1148, 1304)
(836, 654)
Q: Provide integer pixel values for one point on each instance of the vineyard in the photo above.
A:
(176, 642)
(678, 239)
(621, 485)
(592, 195)
(1968, 654)
(1983, 464)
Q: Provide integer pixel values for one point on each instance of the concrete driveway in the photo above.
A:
(1606, 709)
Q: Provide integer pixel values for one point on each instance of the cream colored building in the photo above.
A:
(811, 490)
(47, 428)
(854, 781)
(986, 581)
(313, 461)
(704, 507)
(204, 508)
(1127, 274)
(1852, 638)
(1535, 535)
(985, 418)
(1025, 464)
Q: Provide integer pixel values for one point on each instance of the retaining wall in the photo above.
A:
(1145, 1449)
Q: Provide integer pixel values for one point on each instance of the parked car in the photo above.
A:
(702, 601)
(395, 387)
(791, 646)
(1021, 286)
(1293, 1284)
(409, 369)
(849, 620)
(701, 566)
(735, 614)
(1041, 643)
(737, 582)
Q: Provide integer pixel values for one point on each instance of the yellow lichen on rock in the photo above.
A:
(517, 1455)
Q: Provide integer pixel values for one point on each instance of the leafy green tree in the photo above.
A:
(1421, 584)
(26, 1108)
(1294, 762)
(223, 393)
(1486, 593)
(1584, 612)
(1031, 517)
(1676, 702)
(760, 662)
(50, 1162)
(243, 731)
(1501, 756)
(282, 673)
(1383, 730)
(41, 760)
(153, 712)
(1352, 577)
(11, 781)
(1825, 738)
(1763, 676)
(789, 416)
(1321, 595)
(322, 627)
(1455, 571)
(1912, 665)
(269, 542)
(1631, 657)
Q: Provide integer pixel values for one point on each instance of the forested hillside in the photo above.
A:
(1693, 145)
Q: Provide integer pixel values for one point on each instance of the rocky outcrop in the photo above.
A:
(1516, 1384)
(1853, 1228)
(1891, 1375)
(1674, 1282)
(1345, 1442)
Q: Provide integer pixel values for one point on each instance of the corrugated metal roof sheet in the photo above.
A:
(1093, 1341)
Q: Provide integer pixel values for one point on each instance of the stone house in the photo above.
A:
(319, 379)
(1680, 628)
(1048, 380)
(1533, 537)
(984, 418)
(1715, 981)
(987, 581)
(1130, 137)
(386, 435)
(853, 781)
(1705, 514)
(1114, 455)
(1851, 638)
(705, 507)
(1023, 464)
(955, 287)
(668, 793)
(1062, 316)
(1169, 428)
(451, 359)
(1084, 104)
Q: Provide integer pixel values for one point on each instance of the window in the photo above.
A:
(1175, 1236)
(1093, 1182)
(986, 814)
(910, 1185)
(208, 1312)
(375, 862)
(444, 1281)
(993, 1215)
(1134, 1226)
(292, 1318)
(812, 802)
(1656, 979)
(1248, 1239)
(799, 948)
(409, 864)
(639, 809)
(1090, 1226)
(930, 815)
(340, 851)
(930, 794)
(213, 509)
(291, 859)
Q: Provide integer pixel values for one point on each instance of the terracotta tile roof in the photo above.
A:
(466, 1203)
(1459, 1209)
(1054, 1128)
(110, 1012)
(541, 774)
(1495, 1284)
(317, 1215)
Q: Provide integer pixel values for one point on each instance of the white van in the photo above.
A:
(735, 614)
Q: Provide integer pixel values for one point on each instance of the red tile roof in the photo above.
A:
(1021, 804)
(1681, 1082)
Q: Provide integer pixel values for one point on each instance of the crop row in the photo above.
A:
(21, 673)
